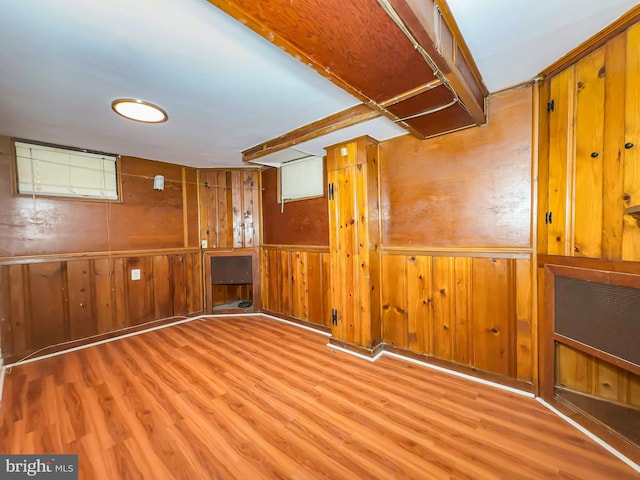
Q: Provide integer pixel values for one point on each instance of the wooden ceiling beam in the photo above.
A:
(434, 33)
(411, 93)
(345, 118)
(232, 9)
(389, 62)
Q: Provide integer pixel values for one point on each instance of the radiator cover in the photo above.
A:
(603, 316)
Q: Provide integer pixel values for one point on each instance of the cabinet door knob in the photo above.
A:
(628, 145)
(594, 154)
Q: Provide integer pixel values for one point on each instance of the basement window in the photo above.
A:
(64, 172)
(301, 179)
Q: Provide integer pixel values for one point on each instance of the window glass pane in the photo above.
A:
(46, 170)
(302, 179)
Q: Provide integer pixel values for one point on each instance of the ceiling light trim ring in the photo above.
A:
(143, 111)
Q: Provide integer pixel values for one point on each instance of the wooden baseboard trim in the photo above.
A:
(72, 345)
(595, 430)
(281, 316)
(506, 383)
(371, 354)
(488, 378)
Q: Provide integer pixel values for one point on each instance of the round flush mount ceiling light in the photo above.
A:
(139, 110)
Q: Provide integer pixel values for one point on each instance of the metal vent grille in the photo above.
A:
(603, 316)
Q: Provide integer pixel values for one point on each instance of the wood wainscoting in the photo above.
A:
(474, 309)
(295, 283)
(48, 300)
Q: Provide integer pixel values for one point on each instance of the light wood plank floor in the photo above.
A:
(252, 398)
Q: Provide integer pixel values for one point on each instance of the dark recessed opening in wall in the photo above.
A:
(232, 282)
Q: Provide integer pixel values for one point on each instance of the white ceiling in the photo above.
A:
(225, 89)
(513, 40)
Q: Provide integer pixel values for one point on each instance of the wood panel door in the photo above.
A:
(353, 242)
(342, 238)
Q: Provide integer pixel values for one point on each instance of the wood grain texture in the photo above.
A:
(424, 183)
(144, 219)
(309, 281)
(354, 242)
(451, 57)
(561, 154)
(229, 208)
(589, 137)
(45, 303)
(337, 121)
(631, 230)
(593, 155)
(543, 167)
(357, 43)
(614, 124)
(471, 311)
(304, 222)
(584, 373)
(207, 412)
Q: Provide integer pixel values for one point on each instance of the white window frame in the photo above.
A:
(64, 172)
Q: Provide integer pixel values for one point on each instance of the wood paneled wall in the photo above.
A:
(457, 254)
(302, 222)
(590, 154)
(589, 172)
(44, 302)
(581, 372)
(230, 222)
(144, 219)
(295, 282)
(466, 189)
(474, 311)
(65, 264)
(230, 208)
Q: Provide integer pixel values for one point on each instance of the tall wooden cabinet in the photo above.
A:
(354, 240)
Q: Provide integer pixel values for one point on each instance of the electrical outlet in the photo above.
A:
(204, 244)
(135, 274)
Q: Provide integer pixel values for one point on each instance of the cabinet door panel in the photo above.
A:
(560, 160)
(631, 233)
(613, 175)
(589, 138)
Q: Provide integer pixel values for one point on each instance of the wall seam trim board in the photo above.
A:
(592, 436)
